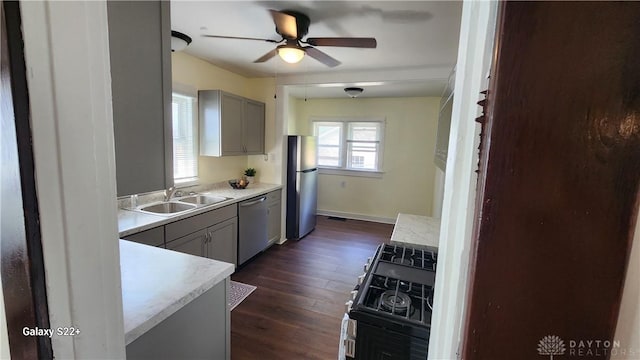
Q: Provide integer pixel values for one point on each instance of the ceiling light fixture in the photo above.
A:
(290, 54)
(179, 41)
(353, 91)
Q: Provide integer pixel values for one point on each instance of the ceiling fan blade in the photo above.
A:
(321, 56)
(369, 43)
(241, 38)
(267, 56)
(286, 24)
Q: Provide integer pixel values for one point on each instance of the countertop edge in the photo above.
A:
(150, 318)
(140, 330)
(159, 220)
(416, 231)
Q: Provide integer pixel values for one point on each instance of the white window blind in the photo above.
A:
(363, 141)
(185, 135)
(329, 143)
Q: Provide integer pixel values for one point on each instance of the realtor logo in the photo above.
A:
(551, 345)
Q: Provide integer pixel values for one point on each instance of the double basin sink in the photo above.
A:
(181, 204)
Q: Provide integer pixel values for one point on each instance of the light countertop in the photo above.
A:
(157, 282)
(131, 222)
(416, 231)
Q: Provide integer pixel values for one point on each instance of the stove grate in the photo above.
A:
(417, 258)
(408, 300)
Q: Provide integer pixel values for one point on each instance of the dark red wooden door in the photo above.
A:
(21, 260)
(558, 190)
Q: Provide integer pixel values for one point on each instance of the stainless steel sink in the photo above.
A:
(167, 208)
(203, 199)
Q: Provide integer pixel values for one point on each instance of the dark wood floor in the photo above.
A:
(296, 311)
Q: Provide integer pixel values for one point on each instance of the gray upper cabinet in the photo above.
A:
(140, 54)
(230, 124)
(254, 127)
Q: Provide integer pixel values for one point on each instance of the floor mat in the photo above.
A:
(238, 292)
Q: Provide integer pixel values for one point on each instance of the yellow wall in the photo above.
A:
(408, 180)
(192, 72)
(269, 167)
(292, 116)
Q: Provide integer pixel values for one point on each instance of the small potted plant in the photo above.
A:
(250, 174)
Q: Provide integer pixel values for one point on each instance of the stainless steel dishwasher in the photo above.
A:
(252, 228)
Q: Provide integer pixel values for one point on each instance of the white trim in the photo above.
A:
(68, 74)
(376, 118)
(350, 172)
(196, 141)
(183, 183)
(354, 216)
(388, 75)
(345, 123)
(458, 211)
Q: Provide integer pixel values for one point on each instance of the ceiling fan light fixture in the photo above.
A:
(179, 41)
(291, 54)
(353, 91)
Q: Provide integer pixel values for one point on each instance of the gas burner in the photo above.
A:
(402, 261)
(415, 258)
(395, 302)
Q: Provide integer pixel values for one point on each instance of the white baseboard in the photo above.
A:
(378, 219)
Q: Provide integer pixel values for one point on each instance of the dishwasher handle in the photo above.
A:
(253, 202)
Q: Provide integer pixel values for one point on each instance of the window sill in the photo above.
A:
(182, 183)
(349, 172)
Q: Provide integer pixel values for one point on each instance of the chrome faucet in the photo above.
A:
(168, 194)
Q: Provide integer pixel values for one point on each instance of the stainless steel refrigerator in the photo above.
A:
(302, 186)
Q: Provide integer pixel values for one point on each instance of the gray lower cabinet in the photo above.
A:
(223, 241)
(199, 330)
(274, 215)
(213, 234)
(218, 242)
(153, 237)
(192, 244)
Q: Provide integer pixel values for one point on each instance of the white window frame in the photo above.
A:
(187, 91)
(344, 168)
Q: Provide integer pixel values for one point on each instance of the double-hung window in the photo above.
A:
(350, 145)
(185, 139)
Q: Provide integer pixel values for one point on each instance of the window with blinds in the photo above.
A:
(185, 138)
(349, 144)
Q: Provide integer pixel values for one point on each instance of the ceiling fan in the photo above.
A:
(292, 26)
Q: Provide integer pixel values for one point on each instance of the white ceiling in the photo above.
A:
(411, 35)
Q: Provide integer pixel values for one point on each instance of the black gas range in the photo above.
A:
(389, 316)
